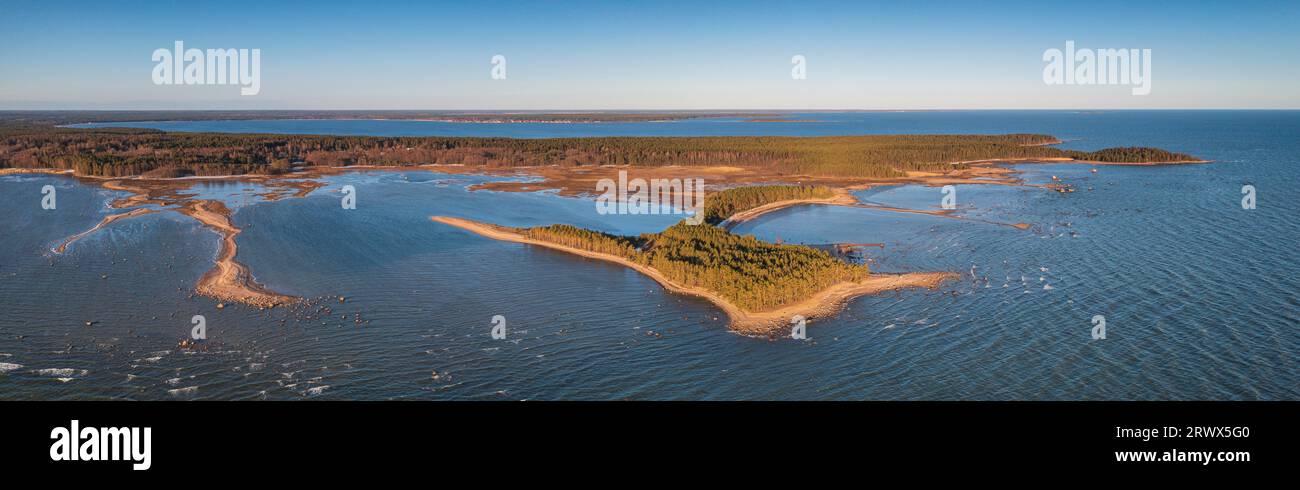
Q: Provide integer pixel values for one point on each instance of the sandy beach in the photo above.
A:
(824, 303)
(842, 197)
(21, 171)
(229, 280)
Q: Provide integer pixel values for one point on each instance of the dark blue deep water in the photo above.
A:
(1201, 297)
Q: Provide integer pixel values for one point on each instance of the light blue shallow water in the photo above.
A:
(1200, 296)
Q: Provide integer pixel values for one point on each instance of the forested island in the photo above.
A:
(761, 286)
(752, 274)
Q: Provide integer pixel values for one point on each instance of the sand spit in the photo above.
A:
(582, 181)
(824, 303)
(22, 171)
(844, 198)
(63, 247)
(229, 280)
(841, 198)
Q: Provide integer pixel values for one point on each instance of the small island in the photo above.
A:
(760, 286)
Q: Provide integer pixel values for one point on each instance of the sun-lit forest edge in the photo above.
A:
(120, 152)
(722, 205)
(750, 273)
(52, 118)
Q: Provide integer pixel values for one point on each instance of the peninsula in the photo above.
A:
(761, 287)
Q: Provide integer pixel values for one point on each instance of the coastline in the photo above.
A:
(63, 247)
(824, 303)
(842, 197)
(229, 280)
(47, 171)
(1075, 160)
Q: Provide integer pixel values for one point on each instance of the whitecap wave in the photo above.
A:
(62, 372)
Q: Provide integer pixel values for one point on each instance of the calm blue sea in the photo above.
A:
(1201, 298)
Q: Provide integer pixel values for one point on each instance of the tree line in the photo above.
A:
(120, 152)
(752, 274)
(722, 205)
(1130, 154)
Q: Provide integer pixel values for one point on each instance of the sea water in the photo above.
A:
(1201, 298)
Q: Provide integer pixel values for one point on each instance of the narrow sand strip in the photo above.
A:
(229, 280)
(841, 198)
(844, 198)
(826, 302)
(22, 171)
(63, 247)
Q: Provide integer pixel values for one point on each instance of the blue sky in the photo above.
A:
(648, 55)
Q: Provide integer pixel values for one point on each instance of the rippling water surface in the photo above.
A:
(1201, 297)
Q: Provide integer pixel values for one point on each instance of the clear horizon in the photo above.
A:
(562, 111)
(667, 56)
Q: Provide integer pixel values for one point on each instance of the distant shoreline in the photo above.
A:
(1077, 161)
(74, 118)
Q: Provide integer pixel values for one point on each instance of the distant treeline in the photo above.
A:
(752, 274)
(126, 152)
(722, 205)
(1129, 154)
(47, 118)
